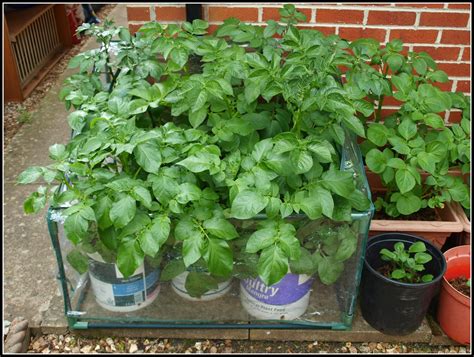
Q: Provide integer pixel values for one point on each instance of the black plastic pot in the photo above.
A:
(393, 307)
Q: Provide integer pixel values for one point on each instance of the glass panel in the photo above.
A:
(319, 306)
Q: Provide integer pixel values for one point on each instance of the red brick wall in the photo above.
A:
(441, 29)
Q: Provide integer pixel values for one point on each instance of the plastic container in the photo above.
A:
(113, 292)
(178, 286)
(286, 300)
(392, 307)
(454, 307)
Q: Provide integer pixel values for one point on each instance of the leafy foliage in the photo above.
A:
(169, 158)
(407, 265)
(414, 139)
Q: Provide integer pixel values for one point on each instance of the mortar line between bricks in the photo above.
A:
(344, 7)
(325, 24)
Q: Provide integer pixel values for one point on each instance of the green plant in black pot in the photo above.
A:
(407, 265)
(398, 285)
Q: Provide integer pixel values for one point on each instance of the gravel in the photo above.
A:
(78, 344)
(17, 114)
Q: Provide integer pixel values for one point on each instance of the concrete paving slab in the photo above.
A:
(361, 332)
(29, 263)
(214, 334)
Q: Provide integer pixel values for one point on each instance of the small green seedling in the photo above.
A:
(408, 265)
(24, 116)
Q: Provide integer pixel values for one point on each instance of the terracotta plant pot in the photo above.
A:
(454, 308)
(466, 233)
(434, 231)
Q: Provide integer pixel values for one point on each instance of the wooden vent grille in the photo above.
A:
(35, 44)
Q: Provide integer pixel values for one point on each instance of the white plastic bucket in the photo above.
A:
(177, 284)
(286, 300)
(113, 292)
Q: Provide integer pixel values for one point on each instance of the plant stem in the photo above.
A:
(136, 173)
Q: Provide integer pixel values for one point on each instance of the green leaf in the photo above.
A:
(252, 91)
(398, 274)
(303, 265)
(179, 56)
(123, 211)
(188, 192)
(422, 258)
(248, 204)
(272, 265)
(124, 34)
(311, 207)
(438, 76)
(77, 120)
(405, 180)
(354, 124)
(31, 174)
(290, 244)
(141, 194)
(102, 210)
(164, 188)
(390, 255)
(138, 106)
(219, 257)
(324, 199)
(322, 151)
(434, 120)
(301, 161)
(221, 228)
(329, 270)
(378, 134)
(261, 239)
(420, 65)
(417, 247)
(199, 283)
(270, 29)
(399, 145)
(185, 228)
(76, 227)
(339, 182)
(200, 161)
(427, 162)
(347, 247)
(172, 270)
(201, 100)
(359, 200)
(152, 238)
(396, 163)
(78, 261)
(408, 204)
(129, 257)
(376, 161)
(407, 129)
(148, 156)
(196, 118)
(427, 278)
(192, 249)
(57, 152)
(395, 61)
